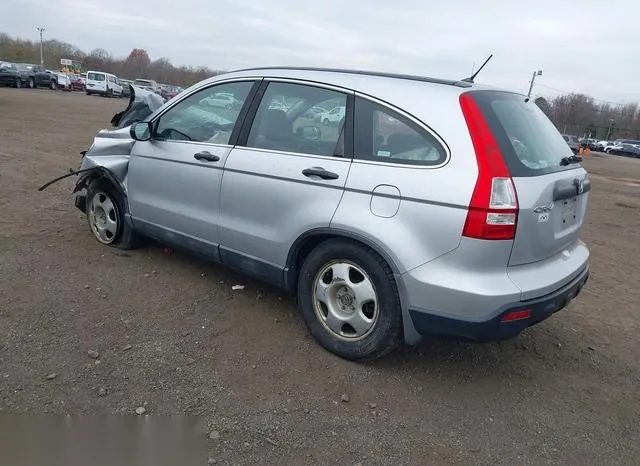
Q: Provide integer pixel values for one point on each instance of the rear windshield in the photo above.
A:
(144, 82)
(96, 77)
(530, 142)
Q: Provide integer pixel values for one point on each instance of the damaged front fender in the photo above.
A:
(115, 171)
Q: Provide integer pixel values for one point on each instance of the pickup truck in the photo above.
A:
(36, 75)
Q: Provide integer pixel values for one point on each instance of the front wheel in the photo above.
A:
(105, 214)
(18, 83)
(52, 85)
(31, 83)
(348, 298)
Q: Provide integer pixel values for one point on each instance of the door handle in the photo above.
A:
(206, 156)
(320, 173)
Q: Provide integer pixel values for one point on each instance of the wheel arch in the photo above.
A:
(106, 175)
(309, 240)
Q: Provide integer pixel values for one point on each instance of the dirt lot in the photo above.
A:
(565, 392)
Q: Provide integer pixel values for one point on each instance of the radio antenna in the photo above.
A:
(473, 76)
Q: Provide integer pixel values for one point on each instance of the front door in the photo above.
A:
(174, 178)
(287, 179)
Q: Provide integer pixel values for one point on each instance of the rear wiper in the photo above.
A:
(569, 160)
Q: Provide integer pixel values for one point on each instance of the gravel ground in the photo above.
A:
(85, 329)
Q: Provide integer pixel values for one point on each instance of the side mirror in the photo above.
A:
(310, 133)
(140, 131)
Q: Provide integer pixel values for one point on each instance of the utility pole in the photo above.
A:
(610, 129)
(41, 30)
(533, 78)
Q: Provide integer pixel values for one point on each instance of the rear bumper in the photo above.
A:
(492, 327)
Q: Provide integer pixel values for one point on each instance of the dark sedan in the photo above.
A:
(629, 149)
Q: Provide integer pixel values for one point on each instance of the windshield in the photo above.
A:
(530, 142)
(144, 82)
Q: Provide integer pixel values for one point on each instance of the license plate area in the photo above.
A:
(569, 208)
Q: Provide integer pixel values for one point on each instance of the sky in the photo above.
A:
(582, 46)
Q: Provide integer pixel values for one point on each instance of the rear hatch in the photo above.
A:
(551, 185)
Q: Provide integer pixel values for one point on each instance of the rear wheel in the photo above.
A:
(53, 85)
(31, 83)
(18, 83)
(349, 300)
(105, 214)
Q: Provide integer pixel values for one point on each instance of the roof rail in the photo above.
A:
(410, 77)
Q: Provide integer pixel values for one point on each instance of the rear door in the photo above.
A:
(286, 180)
(96, 82)
(552, 190)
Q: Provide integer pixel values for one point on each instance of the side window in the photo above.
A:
(204, 116)
(299, 118)
(386, 136)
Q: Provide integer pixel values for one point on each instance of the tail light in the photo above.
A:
(493, 211)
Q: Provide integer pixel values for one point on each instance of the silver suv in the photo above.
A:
(431, 208)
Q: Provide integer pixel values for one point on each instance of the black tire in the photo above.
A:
(53, 85)
(124, 237)
(109, 93)
(387, 331)
(88, 93)
(18, 83)
(31, 83)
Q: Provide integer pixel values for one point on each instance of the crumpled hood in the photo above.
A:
(142, 103)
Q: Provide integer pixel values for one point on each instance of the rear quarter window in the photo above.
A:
(384, 135)
(529, 141)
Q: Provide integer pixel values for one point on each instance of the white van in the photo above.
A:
(99, 82)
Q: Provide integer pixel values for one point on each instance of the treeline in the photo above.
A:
(576, 114)
(581, 115)
(137, 64)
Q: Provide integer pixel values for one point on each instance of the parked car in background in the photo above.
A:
(343, 216)
(592, 144)
(148, 84)
(9, 75)
(77, 82)
(126, 89)
(601, 145)
(64, 81)
(333, 117)
(314, 112)
(626, 147)
(101, 83)
(572, 142)
(38, 76)
(169, 92)
(221, 99)
(612, 147)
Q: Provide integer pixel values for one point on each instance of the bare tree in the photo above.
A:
(137, 64)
